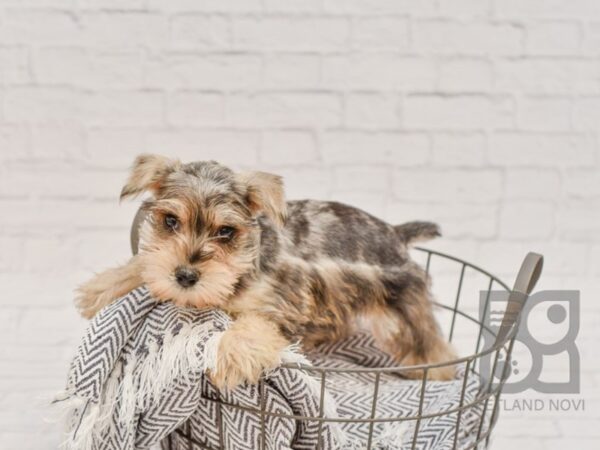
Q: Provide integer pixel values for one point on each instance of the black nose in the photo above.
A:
(186, 277)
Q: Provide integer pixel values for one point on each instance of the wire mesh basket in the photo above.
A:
(491, 348)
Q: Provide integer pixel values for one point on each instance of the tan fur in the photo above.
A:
(313, 276)
(147, 174)
(394, 335)
(107, 286)
(250, 346)
(265, 193)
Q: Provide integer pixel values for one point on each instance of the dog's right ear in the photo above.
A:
(147, 174)
(265, 194)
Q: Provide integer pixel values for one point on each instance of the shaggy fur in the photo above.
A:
(304, 270)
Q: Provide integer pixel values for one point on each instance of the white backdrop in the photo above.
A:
(482, 115)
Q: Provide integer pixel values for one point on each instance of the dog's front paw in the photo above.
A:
(106, 287)
(101, 290)
(88, 300)
(246, 350)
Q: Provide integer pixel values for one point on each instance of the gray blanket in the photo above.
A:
(138, 379)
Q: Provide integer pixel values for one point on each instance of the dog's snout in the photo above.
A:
(186, 277)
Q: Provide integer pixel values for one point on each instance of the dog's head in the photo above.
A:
(202, 233)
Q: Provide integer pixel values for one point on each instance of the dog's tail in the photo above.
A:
(411, 232)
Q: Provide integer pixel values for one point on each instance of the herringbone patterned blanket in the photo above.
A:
(138, 379)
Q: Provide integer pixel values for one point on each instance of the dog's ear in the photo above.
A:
(147, 174)
(265, 194)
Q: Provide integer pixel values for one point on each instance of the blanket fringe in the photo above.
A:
(181, 357)
(178, 359)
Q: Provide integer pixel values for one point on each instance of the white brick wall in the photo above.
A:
(480, 114)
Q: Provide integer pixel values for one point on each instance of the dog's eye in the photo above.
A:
(226, 232)
(171, 222)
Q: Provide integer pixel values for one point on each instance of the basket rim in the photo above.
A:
(424, 367)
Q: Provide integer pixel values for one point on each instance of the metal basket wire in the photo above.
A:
(486, 402)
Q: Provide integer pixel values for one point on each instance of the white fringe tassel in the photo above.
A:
(144, 379)
(142, 382)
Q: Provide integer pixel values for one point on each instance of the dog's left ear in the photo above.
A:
(147, 174)
(265, 194)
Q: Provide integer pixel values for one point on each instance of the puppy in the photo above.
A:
(303, 270)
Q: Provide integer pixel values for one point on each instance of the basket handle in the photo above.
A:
(527, 278)
(134, 234)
